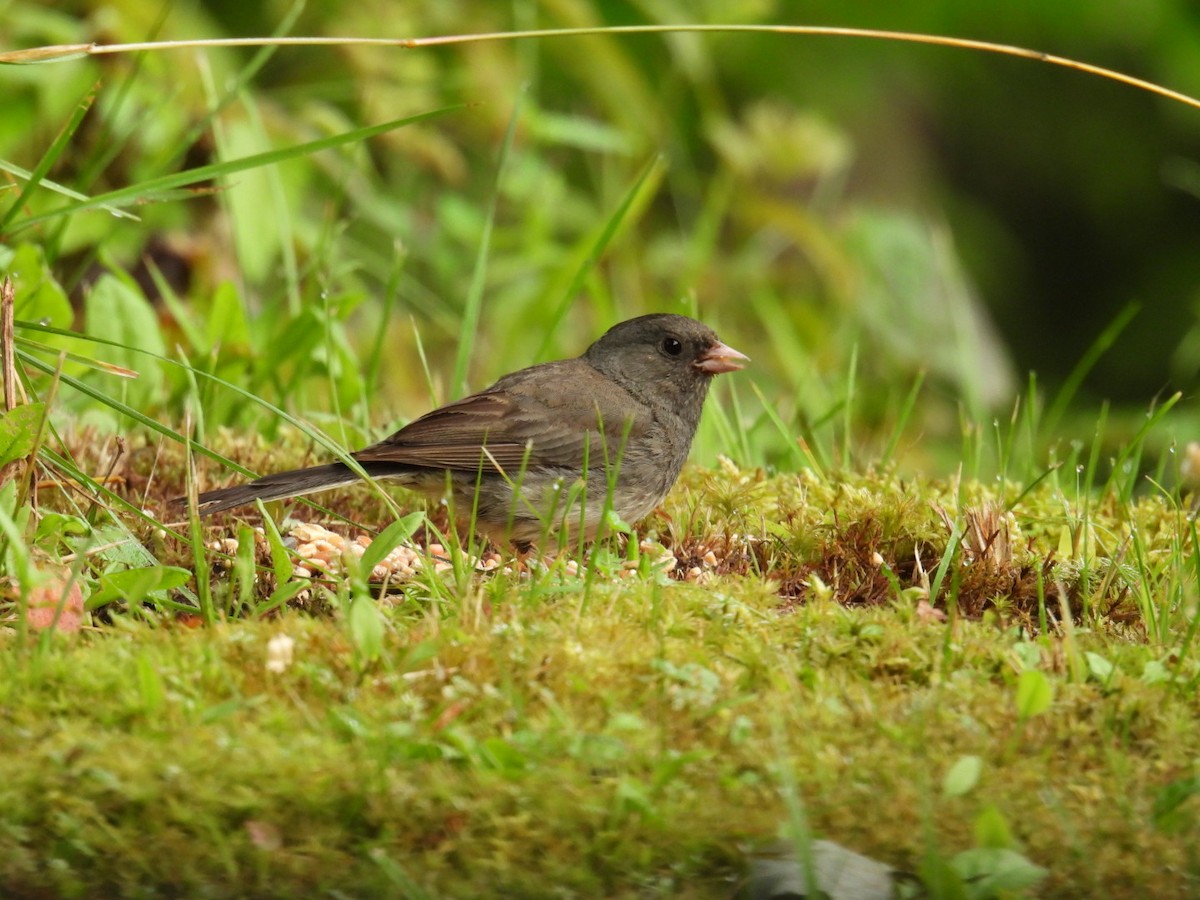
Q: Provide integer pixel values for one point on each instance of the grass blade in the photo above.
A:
(597, 248)
(25, 175)
(141, 192)
(470, 319)
(50, 156)
(1098, 348)
(906, 409)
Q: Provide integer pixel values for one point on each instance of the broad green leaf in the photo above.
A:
(991, 828)
(990, 870)
(942, 879)
(132, 586)
(366, 628)
(54, 527)
(503, 756)
(18, 431)
(226, 323)
(1035, 693)
(37, 296)
(962, 776)
(252, 198)
(118, 312)
(1154, 672)
(1100, 668)
(1029, 653)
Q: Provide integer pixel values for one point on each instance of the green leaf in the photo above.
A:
(117, 311)
(1169, 805)
(280, 597)
(135, 585)
(614, 523)
(18, 431)
(1029, 653)
(991, 828)
(281, 560)
(1035, 693)
(226, 323)
(137, 193)
(962, 776)
(36, 294)
(1100, 668)
(114, 548)
(941, 879)
(1155, 672)
(990, 870)
(54, 527)
(474, 304)
(405, 885)
(388, 540)
(366, 628)
(222, 710)
(1066, 545)
(591, 134)
(254, 208)
(587, 254)
(244, 574)
(89, 362)
(500, 754)
(15, 560)
(48, 158)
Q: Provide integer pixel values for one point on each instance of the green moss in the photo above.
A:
(627, 738)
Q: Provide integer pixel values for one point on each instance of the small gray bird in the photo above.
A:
(550, 446)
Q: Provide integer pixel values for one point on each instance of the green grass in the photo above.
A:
(507, 743)
(630, 735)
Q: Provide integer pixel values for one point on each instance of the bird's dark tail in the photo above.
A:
(275, 487)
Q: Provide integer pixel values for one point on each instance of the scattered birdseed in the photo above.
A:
(324, 550)
(322, 553)
(226, 546)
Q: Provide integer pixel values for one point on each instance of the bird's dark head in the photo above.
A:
(664, 359)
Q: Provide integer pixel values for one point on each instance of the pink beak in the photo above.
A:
(720, 358)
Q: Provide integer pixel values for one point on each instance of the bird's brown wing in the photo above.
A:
(548, 416)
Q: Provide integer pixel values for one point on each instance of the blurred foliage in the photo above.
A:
(825, 203)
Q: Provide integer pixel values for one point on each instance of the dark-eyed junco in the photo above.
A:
(548, 446)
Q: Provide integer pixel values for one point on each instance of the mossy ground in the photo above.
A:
(599, 735)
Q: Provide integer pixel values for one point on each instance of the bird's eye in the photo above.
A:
(672, 346)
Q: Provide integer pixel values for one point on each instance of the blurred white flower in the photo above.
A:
(279, 653)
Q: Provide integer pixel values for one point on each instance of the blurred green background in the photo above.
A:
(824, 202)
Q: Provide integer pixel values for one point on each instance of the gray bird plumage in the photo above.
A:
(628, 407)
